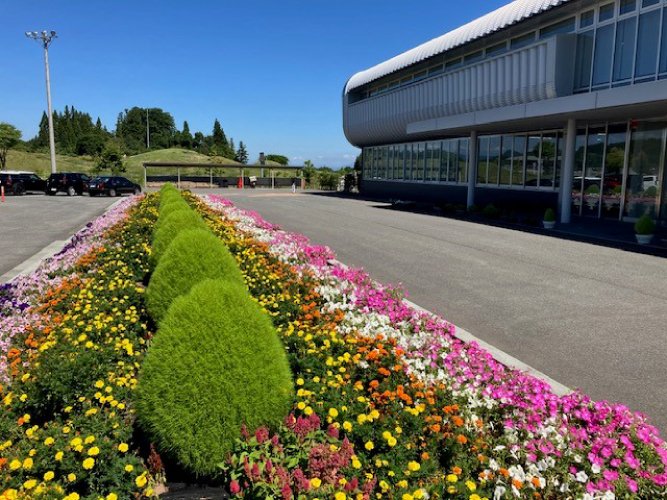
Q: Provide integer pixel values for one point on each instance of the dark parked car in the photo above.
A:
(67, 182)
(19, 182)
(112, 186)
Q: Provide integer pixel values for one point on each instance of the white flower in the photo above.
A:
(581, 476)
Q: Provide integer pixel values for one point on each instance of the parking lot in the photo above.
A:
(32, 222)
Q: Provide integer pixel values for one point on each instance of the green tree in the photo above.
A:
(131, 129)
(242, 154)
(9, 137)
(309, 172)
(111, 159)
(186, 137)
(283, 160)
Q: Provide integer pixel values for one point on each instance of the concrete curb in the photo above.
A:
(500, 356)
(32, 263)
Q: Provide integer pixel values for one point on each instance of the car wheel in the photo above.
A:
(71, 191)
(18, 190)
(112, 192)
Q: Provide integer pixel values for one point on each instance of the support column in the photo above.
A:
(178, 177)
(145, 178)
(567, 172)
(472, 168)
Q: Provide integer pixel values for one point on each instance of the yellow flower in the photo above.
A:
(30, 484)
(413, 466)
(299, 381)
(140, 481)
(72, 496)
(123, 447)
(89, 440)
(301, 405)
(369, 445)
(315, 482)
(347, 426)
(49, 441)
(392, 441)
(94, 451)
(129, 468)
(471, 485)
(27, 463)
(308, 411)
(66, 430)
(407, 496)
(361, 418)
(99, 384)
(71, 477)
(418, 493)
(59, 456)
(11, 494)
(452, 478)
(356, 463)
(75, 442)
(15, 464)
(340, 496)
(88, 463)
(475, 496)
(112, 496)
(49, 475)
(333, 412)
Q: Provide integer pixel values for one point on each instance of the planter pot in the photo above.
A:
(548, 224)
(644, 239)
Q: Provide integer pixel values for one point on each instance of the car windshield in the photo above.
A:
(101, 179)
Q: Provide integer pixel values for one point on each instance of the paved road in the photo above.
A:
(589, 317)
(31, 222)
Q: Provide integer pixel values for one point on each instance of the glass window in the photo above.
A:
(475, 56)
(494, 159)
(643, 183)
(454, 63)
(606, 12)
(518, 157)
(566, 26)
(578, 171)
(420, 76)
(435, 70)
(432, 161)
(494, 50)
(647, 43)
(587, 19)
(663, 45)
(390, 163)
(548, 160)
(584, 60)
(368, 160)
(408, 162)
(444, 160)
(627, 6)
(400, 174)
(648, 3)
(482, 159)
(604, 44)
(453, 160)
(613, 171)
(625, 48)
(506, 161)
(463, 160)
(532, 160)
(419, 168)
(593, 176)
(522, 41)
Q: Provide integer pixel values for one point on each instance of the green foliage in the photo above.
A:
(215, 364)
(132, 124)
(282, 160)
(9, 137)
(651, 192)
(242, 154)
(549, 215)
(168, 228)
(490, 211)
(645, 225)
(111, 159)
(593, 189)
(193, 255)
(328, 179)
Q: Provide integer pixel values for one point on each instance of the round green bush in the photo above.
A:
(215, 364)
(549, 215)
(171, 207)
(644, 225)
(169, 227)
(193, 256)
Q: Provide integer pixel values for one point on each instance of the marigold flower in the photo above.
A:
(123, 447)
(88, 463)
(315, 482)
(369, 445)
(140, 481)
(49, 475)
(413, 466)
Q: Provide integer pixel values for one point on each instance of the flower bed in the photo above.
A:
(72, 337)
(423, 411)
(389, 403)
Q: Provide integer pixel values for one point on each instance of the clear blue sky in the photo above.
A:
(271, 71)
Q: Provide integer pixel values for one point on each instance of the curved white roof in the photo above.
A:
(507, 15)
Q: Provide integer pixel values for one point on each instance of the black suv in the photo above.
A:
(67, 182)
(112, 186)
(18, 182)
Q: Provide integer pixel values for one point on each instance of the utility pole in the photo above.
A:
(46, 37)
(148, 135)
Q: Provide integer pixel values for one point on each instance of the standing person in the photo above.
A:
(294, 184)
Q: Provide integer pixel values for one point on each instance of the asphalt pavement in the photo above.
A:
(588, 316)
(33, 222)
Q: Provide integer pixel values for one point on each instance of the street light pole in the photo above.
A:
(46, 38)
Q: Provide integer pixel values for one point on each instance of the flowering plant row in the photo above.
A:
(391, 402)
(72, 336)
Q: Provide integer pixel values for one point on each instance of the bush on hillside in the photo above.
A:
(167, 228)
(215, 364)
(193, 256)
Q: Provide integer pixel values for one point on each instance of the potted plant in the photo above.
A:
(644, 228)
(549, 220)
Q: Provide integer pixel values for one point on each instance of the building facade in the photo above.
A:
(549, 103)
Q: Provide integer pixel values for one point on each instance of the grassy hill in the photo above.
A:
(41, 164)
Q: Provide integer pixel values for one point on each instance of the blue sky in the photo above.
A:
(271, 71)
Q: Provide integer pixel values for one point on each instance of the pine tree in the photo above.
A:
(219, 138)
(186, 136)
(242, 154)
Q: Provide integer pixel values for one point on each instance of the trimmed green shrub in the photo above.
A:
(170, 207)
(644, 225)
(215, 364)
(169, 227)
(193, 256)
(549, 215)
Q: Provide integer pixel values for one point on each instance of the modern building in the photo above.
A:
(559, 103)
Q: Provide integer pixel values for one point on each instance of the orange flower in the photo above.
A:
(461, 439)
(457, 470)
(504, 472)
(517, 483)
